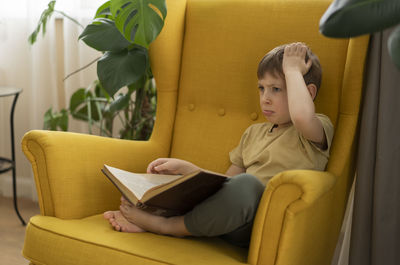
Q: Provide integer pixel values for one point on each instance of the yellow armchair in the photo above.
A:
(205, 62)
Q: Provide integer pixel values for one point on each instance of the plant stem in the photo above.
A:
(138, 109)
(70, 18)
(90, 121)
(95, 124)
(80, 69)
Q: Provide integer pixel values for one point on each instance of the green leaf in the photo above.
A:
(118, 69)
(140, 21)
(350, 18)
(138, 84)
(48, 116)
(122, 102)
(100, 92)
(53, 121)
(63, 120)
(77, 99)
(102, 35)
(104, 11)
(46, 15)
(394, 46)
(79, 106)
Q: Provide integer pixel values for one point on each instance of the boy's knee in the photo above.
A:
(247, 183)
(246, 191)
(230, 208)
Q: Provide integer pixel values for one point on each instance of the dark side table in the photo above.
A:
(7, 164)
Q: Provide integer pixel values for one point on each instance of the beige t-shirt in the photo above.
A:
(264, 153)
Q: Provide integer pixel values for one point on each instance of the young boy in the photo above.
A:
(295, 137)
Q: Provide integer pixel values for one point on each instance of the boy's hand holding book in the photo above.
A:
(171, 166)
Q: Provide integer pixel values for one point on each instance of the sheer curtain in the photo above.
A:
(39, 70)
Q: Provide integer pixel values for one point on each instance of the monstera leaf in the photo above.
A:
(104, 11)
(102, 35)
(140, 21)
(118, 69)
(350, 18)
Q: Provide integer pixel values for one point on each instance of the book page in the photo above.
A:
(140, 183)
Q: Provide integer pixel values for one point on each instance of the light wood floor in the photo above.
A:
(12, 233)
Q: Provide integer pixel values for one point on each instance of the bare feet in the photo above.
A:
(174, 226)
(133, 220)
(131, 213)
(135, 215)
(120, 223)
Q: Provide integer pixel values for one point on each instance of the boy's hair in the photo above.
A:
(272, 63)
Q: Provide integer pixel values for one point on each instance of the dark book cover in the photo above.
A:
(182, 198)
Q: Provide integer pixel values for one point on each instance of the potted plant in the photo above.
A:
(122, 30)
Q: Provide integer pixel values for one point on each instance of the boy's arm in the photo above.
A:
(300, 96)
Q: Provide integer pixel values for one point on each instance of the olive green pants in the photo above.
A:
(230, 212)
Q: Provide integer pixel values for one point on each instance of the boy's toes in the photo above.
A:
(108, 215)
(114, 225)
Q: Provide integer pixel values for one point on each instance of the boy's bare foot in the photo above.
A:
(174, 226)
(131, 213)
(120, 223)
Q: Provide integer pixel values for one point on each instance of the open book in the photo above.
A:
(165, 195)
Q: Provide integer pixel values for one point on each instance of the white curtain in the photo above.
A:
(341, 255)
(39, 71)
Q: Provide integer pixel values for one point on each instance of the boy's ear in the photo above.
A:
(312, 88)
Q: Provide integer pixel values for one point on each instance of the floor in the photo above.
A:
(12, 233)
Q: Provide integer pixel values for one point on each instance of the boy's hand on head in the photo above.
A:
(171, 166)
(294, 59)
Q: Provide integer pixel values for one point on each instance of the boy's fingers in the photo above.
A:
(160, 168)
(155, 163)
(287, 50)
(309, 63)
(150, 167)
(166, 168)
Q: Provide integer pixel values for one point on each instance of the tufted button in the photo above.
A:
(191, 107)
(254, 116)
(221, 112)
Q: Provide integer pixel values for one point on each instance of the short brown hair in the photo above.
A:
(272, 63)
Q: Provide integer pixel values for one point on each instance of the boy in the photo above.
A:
(294, 138)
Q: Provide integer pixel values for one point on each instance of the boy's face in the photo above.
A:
(273, 99)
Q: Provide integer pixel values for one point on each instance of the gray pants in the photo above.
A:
(230, 212)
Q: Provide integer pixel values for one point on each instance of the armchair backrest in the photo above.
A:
(205, 62)
(206, 58)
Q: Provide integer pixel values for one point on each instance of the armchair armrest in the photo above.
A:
(67, 169)
(293, 216)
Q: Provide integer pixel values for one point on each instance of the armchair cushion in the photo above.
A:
(71, 242)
